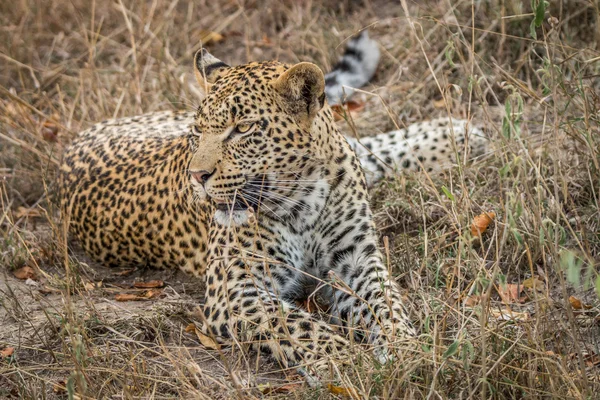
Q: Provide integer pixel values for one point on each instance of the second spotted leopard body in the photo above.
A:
(258, 194)
(428, 146)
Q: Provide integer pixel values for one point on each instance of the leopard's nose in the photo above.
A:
(201, 176)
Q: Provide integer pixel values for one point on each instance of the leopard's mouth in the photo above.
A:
(251, 196)
(228, 206)
(236, 212)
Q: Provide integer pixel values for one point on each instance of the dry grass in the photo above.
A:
(66, 65)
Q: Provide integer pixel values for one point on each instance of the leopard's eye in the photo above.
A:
(244, 127)
(196, 131)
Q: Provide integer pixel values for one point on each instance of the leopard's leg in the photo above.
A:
(365, 298)
(369, 301)
(240, 306)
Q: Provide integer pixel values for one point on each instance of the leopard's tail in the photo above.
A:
(356, 67)
(429, 145)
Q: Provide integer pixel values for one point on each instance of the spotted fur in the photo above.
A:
(354, 69)
(258, 194)
(430, 146)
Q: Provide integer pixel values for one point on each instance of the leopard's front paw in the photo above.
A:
(313, 380)
(384, 343)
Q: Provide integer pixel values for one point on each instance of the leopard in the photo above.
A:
(259, 195)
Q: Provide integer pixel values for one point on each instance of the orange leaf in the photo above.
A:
(312, 305)
(149, 284)
(145, 295)
(472, 301)
(7, 352)
(59, 387)
(126, 272)
(49, 131)
(578, 304)
(27, 212)
(288, 388)
(151, 294)
(208, 37)
(441, 103)
(25, 272)
(92, 285)
(481, 223)
(511, 293)
(592, 360)
(266, 39)
(353, 108)
(343, 391)
(533, 283)
(128, 297)
(191, 328)
(509, 315)
(47, 290)
(205, 340)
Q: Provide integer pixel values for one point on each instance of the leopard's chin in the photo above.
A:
(235, 217)
(237, 206)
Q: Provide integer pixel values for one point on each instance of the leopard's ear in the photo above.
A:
(207, 69)
(302, 90)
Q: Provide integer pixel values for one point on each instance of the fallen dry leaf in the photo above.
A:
(511, 293)
(152, 294)
(206, 341)
(149, 285)
(49, 131)
(592, 360)
(59, 387)
(92, 285)
(343, 391)
(508, 315)
(47, 290)
(472, 301)
(312, 305)
(288, 388)
(139, 295)
(27, 212)
(481, 222)
(353, 108)
(126, 272)
(534, 283)
(266, 39)
(578, 304)
(441, 103)
(7, 352)
(210, 37)
(128, 297)
(24, 273)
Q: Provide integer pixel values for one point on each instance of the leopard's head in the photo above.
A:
(254, 136)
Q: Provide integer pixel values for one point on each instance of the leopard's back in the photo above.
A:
(124, 190)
